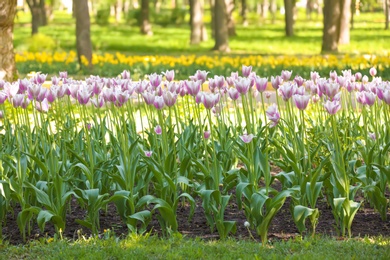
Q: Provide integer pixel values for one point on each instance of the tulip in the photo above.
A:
(286, 75)
(273, 115)
(201, 75)
(43, 106)
(233, 93)
(220, 82)
(148, 97)
(206, 134)
(51, 94)
(373, 71)
(301, 101)
(247, 138)
(169, 98)
(97, 101)
(333, 75)
(148, 153)
(242, 85)
(299, 80)
(369, 98)
(42, 95)
(332, 106)
(55, 80)
(159, 102)
(268, 95)
(169, 75)
(276, 82)
(193, 87)
(209, 100)
(314, 76)
(331, 89)
(3, 96)
(125, 74)
(386, 96)
(261, 83)
(63, 74)
(358, 76)
(17, 100)
(83, 95)
(372, 136)
(23, 85)
(246, 70)
(155, 80)
(33, 91)
(158, 130)
(287, 90)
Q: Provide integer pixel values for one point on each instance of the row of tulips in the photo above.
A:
(154, 145)
(111, 64)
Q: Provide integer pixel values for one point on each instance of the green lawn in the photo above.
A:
(261, 37)
(140, 247)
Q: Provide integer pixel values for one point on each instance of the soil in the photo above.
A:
(367, 222)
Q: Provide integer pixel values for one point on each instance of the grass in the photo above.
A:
(261, 37)
(176, 247)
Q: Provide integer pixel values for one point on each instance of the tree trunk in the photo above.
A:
(43, 14)
(221, 28)
(345, 20)
(83, 34)
(273, 10)
(7, 56)
(289, 17)
(146, 27)
(212, 13)
(196, 22)
(387, 14)
(118, 10)
(230, 21)
(331, 30)
(353, 10)
(264, 9)
(35, 10)
(244, 13)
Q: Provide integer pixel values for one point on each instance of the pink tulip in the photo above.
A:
(246, 70)
(3, 96)
(286, 75)
(63, 74)
(273, 115)
(276, 82)
(83, 95)
(17, 100)
(247, 138)
(286, 90)
(301, 101)
(169, 75)
(97, 101)
(158, 130)
(358, 76)
(33, 91)
(332, 106)
(299, 80)
(331, 89)
(261, 83)
(43, 106)
(206, 134)
(333, 75)
(155, 80)
(169, 98)
(193, 87)
(373, 71)
(233, 93)
(159, 102)
(23, 85)
(148, 97)
(148, 153)
(201, 75)
(314, 76)
(372, 136)
(125, 74)
(242, 85)
(209, 100)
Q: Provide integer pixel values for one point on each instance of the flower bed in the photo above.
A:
(157, 145)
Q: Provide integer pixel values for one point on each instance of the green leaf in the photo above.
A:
(300, 215)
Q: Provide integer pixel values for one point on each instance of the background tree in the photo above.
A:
(345, 21)
(198, 29)
(83, 31)
(387, 14)
(7, 56)
(38, 14)
(289, 6)
(221, 28)
(331, 29)
(229, 15)
(145, 26)
(244, 13)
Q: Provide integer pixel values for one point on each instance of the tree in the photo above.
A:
(229, 15)
(220, 27)
(83, 32)
(146, 27)
(38, 14)
(244, 12)
(289, 6)
(345, 21)
(198, 29)
(387, 14)
(7, 56)
(331, 30)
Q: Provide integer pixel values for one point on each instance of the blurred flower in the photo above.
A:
(372, 136)
(373, 71)
(155, 80)
(233, 93)
(246, 224)
(42, 106)
(273, 115)
(276, 81)
(286, 90)
(299, 80)
(148, 153)
(332, 106)
(247, 138)
(169, 98)
(209, 100)
(63, 74)
(125, 74)
(206, 134)
(158, 130)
